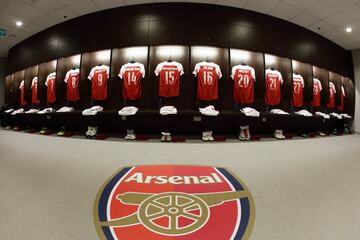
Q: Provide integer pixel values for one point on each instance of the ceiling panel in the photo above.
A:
(305, 19)
(233, 3)
(326, 8)
(61, 13)
(22, 10)
(285, 11)
(105, 4)
(263, 6)
(301, 4)
(83, 7)
(45, 6)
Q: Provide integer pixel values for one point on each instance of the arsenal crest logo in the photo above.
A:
(174, 202)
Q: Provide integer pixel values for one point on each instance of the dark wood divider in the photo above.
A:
(349, 100)
(18, 77)
(10, 94)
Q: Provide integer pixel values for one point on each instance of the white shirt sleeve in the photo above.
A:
(142, 70)
(158, 69)
(302, 82)
(107, 68)
(320, 86)
(334, 88)
(180, 68)
(21, 84)
(47, 79)
(233, 72)
(67, 76)
(122, 71)
(253, 74)
(218, 71)
(33, 82)
(280, 77)
(91, 75)
(196, 69)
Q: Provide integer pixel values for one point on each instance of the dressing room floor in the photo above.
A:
(303, 189)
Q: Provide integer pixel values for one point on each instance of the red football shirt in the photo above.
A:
(22, 97)
(332, 91)
(98, 77)
(244, 78)
(50, 83)
(169, 82)
(273, 81)
(298, 86)
(343, 95)
(34, 91)
(131, 73)
(208, 74)
(316, 93)
(72, 85)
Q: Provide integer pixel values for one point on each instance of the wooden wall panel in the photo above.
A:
(190, 24)
(18, 77)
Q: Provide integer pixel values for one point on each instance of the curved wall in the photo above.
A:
(184, 24)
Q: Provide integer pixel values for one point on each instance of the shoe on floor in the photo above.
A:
(278, 134)
(61, 133)
(43, 131)
(320, 133)
(242, 136)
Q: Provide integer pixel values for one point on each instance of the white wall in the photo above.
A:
(2, 80)
(356, 59)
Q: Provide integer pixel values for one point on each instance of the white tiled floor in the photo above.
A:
(303, 189)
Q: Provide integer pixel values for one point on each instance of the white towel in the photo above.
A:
(19, 111)
(65, 109)
(33, 110)
(167, 110)
(209, 111)
(250, 112)
(279, 111)
(324, 115)
(46, 110)
(9, 110)
(128, 111)
(304, 112)
(92, 111)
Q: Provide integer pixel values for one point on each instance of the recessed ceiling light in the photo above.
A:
(19, 23)
(349, 29)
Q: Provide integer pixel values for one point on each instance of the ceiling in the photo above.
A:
(328, 18)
